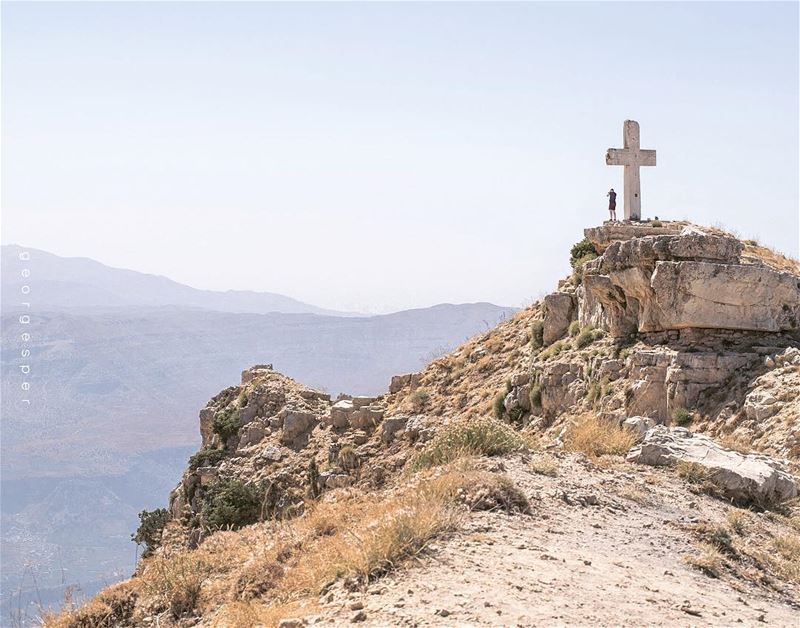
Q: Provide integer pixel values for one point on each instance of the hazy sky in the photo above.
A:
(385, 156)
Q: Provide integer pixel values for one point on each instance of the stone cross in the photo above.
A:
(631, 156)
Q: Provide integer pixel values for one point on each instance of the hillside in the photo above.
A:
(622, 452)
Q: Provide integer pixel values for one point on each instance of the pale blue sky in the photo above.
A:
(384, 156)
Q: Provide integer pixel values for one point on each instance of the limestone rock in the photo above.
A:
(367, 417)
(206, 425)
(639, 425)
(391, 426)
(335, 479)
(253, 433)
(743, 478)
(559, 313)
(401, 381)
(361, 401)
(690, 280)
(297, 423)
(254, 371)
(419, 429)
(340, 413)
(605, 236)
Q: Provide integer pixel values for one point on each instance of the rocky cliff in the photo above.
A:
(680, 342)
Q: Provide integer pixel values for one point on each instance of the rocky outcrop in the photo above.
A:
(604, 236)
(402, 381)
(689, 280)
(742, 478)
(559, 311)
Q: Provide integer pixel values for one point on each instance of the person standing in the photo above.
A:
(612, 204)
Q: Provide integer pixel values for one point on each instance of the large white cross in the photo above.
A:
(631, 156)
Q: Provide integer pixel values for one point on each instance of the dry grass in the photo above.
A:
(736, 443)
(738, 521)
(710, 560)
(107, 609)
(698, 476)
(544, 464)
(770, 257)
(469, 437)
(174, 582)
(635, 493)
(596, 437)
(260, 574)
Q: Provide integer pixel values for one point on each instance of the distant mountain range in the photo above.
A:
(80, 282)
(121, 364)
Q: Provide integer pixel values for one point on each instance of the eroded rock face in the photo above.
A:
(560, 311)
(693, 279)
(743, 478)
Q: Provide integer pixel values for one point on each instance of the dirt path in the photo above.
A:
(604, 546)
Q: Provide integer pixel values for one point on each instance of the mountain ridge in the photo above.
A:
(57, 286)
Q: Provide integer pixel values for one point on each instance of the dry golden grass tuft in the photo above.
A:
(597, 437)
(770, 257)
(635, 493)
(544, 464)
(710, 560)
(107, 609)
(261, 574)
(174, 582)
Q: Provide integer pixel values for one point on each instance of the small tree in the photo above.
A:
(230, 504)
(581, 252)
(151, 526)
(537, 334)
(312, 477)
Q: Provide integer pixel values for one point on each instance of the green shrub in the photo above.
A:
(554, 349)
(581, 252)
(312, 478)
(226, 423)
(536, 396)
(574, 328)
(682, 417)
(515, 415)
(498, 405)
(151, 525)
(206, 457)
(537, 334)
(656, 223)
(469, 437)
(420, 398)
(587, 336)
(230, 504)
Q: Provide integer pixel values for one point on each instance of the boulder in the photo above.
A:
(639, 425)
(271, 454)
(335, 479)
(252, 433)
(559, 312)
(367, 417)
(361, 401)
(742, 478)
(296, 423)
(340, 413)
(418, 428)
(391, 426)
